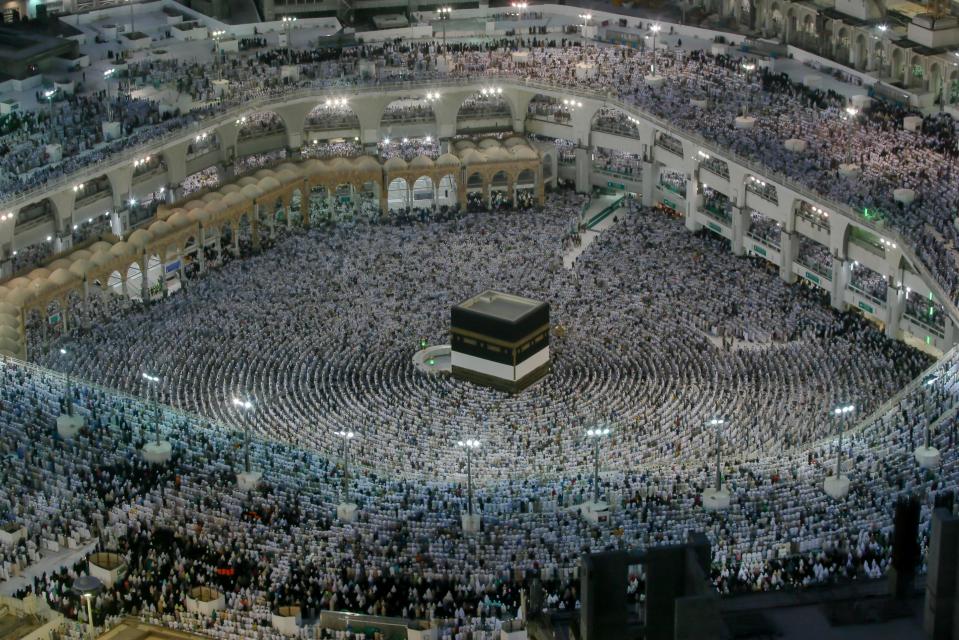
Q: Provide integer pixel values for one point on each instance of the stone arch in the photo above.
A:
(408, 110)
(861, 51)
(489, 105)
(897, 63)
(91, 190)
(423, 192)
(526, 177)
(775, 20)
(260, 124)
(613, 120)
(843, 45)
(915, 73)
(116, 282)
(203, 143)
(879, 55)
(446, 190)
(792, 24)
(397, 194)
(36, 213)
(550, 108)
(333, 114)
(936, 82)
(133, 280)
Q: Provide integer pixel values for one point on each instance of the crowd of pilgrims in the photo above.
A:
(649, 345)
(889, 156)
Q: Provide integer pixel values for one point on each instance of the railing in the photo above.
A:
(718, 168)
(436, 81)
(617, 129)
(815, 267)
(617, 174)
(763, 193)
(718, 215)
(766, 242)
(815, 221)
(876, 250)
(868, 296)
(666, 142)
(674, 189)
(933, 329)
(333, 125)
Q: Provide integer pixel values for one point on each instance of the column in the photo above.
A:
(305, 212)
(6, 269)
(63, 242)
(650, 174)
(119, 221)
(255, 226)
(739, 228)
(942, 595)
(840, 278)
(583, 166)
(144, 280)
(694, 204)
(788, 252)
(895, 302)
(950, 332)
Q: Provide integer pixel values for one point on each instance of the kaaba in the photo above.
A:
(500, 340)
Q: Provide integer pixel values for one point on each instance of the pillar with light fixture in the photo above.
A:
(248, 479)
(585, 29)
(87, 587)
(111, 128)
(443, 14)
(746, 121)
(346, 509)
(156, 451)
(68, 422)
(594, 510)
(716, 498)
(926, 455)
(471, 521)
(654, 80)
(836, 486)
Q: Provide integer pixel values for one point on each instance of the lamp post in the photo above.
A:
(654, 29)
(926, 455)
(597, 436)
(107, 75)
(585, 17)
(837, 486)
(49, 96)
(247, 407)
(347, 438)
(470, 522)
(469, 445)
(288, 24)
(749, 67)
(718, 423)
(63, 352)
(154, 380)
(716, 498)
(443, 15)
(87, 587)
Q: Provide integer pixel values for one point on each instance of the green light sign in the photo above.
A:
(715, 227)
(760, 250)
(669, 203)
(812, 277)
(866, 307)
(616, 185)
